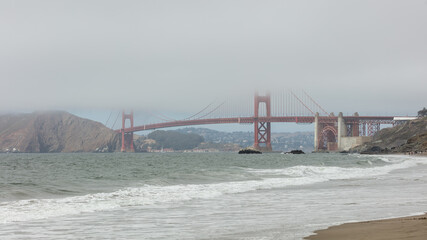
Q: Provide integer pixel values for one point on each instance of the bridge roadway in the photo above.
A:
(251, 120)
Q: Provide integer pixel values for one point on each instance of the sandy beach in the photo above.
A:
(414, 227)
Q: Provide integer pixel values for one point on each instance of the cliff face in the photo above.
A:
(54, 132)
(409, 137)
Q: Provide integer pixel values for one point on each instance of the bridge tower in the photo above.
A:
(127, 138)
(262, 129)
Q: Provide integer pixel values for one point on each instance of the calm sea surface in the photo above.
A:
(201, 196)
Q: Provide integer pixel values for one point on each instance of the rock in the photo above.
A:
(375, 150)
(409, 137)
(249, 150)
(295, 152)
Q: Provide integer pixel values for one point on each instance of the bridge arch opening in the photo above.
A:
(328, 139)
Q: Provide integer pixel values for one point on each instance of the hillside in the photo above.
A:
(54, 132)
(410, 137)
(172, 140)
(175, 140)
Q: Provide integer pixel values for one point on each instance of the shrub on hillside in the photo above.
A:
(175, 140)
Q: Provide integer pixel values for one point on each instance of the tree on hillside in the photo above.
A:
(422, 113)
(175, 140)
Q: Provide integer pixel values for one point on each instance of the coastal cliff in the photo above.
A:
(56, 131)
(410, 137)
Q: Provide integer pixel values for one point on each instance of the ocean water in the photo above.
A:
(201, 195)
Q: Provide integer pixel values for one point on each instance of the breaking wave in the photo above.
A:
(33, 209)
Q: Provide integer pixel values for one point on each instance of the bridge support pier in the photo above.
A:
(355, 126)
(262, 129)
(316, 132)
(127, 138)
(342, 129)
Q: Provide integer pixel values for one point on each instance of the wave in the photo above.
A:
(34, 209)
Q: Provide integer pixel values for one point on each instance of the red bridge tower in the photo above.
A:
(127, 138)
(262, 129)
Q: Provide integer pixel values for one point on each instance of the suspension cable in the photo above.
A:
(323, 110)
(211, 111)
(200, 111)
(111, 112)
(302, 103)
(161, 116)
(114, 124)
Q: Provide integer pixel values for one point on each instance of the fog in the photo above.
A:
(177, 56)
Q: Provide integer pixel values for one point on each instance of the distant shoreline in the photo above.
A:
(411, 227)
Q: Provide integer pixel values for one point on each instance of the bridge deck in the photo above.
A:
(251, 120)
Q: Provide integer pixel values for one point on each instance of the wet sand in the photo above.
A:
(413, 228)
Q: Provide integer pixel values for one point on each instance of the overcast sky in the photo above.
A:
(363, 55)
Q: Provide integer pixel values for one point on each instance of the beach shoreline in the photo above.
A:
(411, 227)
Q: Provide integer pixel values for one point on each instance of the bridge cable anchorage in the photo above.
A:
(302, 103)
(211, 111)
(114, 124)
(200, 111)
(320, 107)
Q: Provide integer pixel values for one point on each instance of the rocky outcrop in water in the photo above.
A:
(249, 150)
(410, 137)
(54, 132)
(295, 152)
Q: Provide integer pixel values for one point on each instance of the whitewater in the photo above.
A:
(202, 195)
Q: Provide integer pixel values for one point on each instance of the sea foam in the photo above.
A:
(146, 195)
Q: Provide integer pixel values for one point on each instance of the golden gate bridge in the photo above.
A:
(332, 132)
